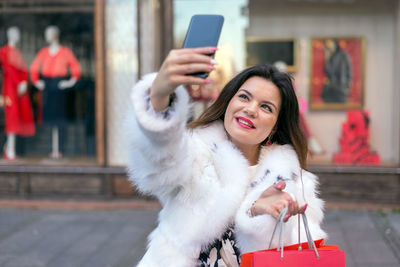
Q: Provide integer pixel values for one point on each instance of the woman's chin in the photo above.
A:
(244, 140)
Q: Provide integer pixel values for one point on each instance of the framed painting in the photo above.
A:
(337, 73)
(271, 51)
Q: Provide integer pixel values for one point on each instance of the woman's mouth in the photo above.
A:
(245, 123)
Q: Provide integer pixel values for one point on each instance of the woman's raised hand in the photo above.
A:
(174, 70)
(273, 200)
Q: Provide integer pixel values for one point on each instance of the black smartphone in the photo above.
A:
(204, 30)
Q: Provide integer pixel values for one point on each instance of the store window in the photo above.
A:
(231, 55)
(48, 81)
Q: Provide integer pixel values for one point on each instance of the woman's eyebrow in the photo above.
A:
(265, 101)
(245, 91)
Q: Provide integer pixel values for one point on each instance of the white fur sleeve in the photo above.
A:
(157, 141)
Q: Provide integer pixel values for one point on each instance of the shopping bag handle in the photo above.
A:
(311, 244)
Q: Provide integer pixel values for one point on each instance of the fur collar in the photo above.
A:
(274, 158)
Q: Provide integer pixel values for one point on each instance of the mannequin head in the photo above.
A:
(52, 34)
(13, 35)
(331, 45)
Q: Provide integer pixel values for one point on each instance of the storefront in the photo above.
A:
(63, 55)
(353, 126)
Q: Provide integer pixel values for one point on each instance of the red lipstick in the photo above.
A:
(245, 123)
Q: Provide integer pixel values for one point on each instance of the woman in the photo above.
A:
(225, 179)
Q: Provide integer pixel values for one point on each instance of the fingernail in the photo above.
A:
(303, 209)
(205, 81)
(214, 62)
(279, 186)
(214, 49)
(211, 67)
(287, 217)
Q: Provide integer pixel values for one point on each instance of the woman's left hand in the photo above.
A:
(273, 200)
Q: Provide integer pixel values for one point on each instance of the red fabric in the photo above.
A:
(329, 256)
(17, 109)
(55, 65)
(354, 142)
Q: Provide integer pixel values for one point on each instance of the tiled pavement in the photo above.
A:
(117, 237)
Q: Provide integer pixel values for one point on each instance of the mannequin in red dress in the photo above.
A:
(49, 73)
(17, 106)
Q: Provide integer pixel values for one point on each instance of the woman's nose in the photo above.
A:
(251, 110)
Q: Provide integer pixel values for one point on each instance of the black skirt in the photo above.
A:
(54, 102)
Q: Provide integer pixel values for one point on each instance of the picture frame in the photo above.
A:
(337, 67)
(270, 50)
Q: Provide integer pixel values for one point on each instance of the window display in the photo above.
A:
(53, 52)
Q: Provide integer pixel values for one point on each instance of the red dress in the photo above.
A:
(17, 109)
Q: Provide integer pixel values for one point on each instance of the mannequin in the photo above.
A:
(17, 106)
(337, 68)
(49, 73)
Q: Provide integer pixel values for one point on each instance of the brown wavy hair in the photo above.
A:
(287, 128)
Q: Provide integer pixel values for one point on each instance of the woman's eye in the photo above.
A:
(266, 107)
(243, 96)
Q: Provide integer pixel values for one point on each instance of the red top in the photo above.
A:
(17, 109)
(55, 65)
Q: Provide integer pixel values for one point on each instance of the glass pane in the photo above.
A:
(47, 72)
(231, 55)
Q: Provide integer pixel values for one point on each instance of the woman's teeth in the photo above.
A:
(246, 123)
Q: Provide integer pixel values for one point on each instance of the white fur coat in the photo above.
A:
(202, 181)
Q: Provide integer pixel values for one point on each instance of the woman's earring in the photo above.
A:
(269, 140)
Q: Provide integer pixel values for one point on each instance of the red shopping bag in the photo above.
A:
(329, 256)
(312, 253)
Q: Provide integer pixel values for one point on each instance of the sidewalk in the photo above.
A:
(80, 233)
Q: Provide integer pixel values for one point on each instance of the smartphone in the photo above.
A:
(204, 30)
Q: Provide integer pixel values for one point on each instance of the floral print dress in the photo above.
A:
(222, 253)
